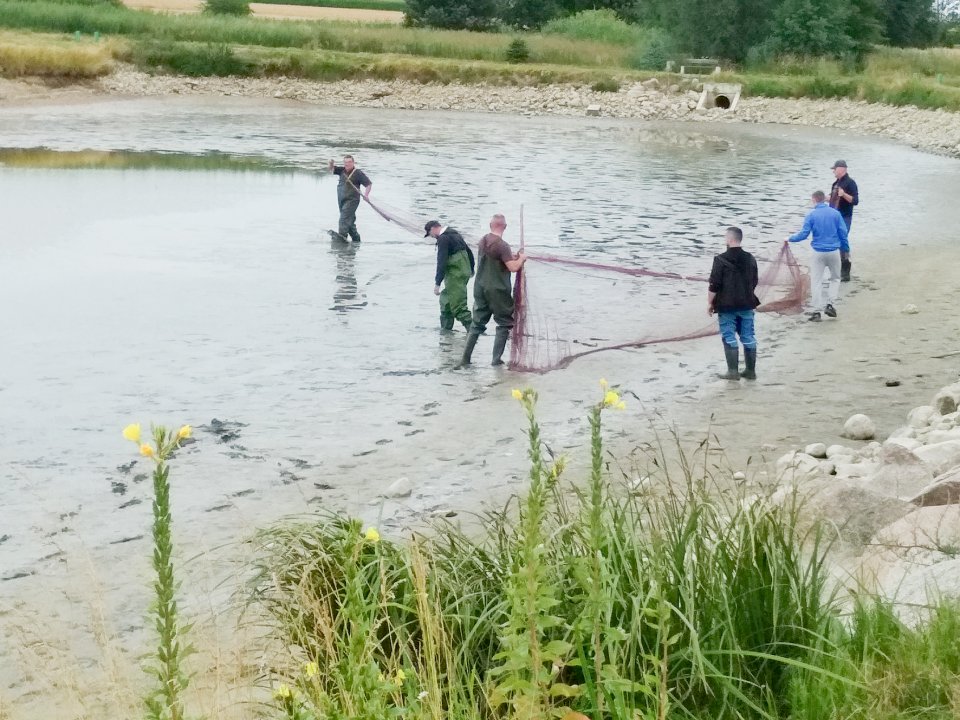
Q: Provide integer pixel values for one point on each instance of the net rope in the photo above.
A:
(612, 307)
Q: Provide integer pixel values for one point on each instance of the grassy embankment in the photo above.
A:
(682, 600)
(392, 5)
(602, 55)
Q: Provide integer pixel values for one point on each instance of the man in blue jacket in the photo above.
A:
(829, 240)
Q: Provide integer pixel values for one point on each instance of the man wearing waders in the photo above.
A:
(732, 295)
(844, 195)
(492, 294)
(352, 179)
(455, 264)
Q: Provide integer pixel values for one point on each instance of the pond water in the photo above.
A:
(181, 273)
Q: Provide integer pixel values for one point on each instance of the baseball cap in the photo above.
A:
(839, 163)
(429, 226)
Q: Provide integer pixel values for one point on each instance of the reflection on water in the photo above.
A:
(43, 158)
(346, 296)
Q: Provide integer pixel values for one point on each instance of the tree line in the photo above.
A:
(729, 29)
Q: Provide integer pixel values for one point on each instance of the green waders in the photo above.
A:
(492, 297)
(348, 202)
(453, 297)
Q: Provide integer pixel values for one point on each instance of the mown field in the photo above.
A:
(566, 51)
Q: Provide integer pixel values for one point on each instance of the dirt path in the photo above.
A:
(281, 12)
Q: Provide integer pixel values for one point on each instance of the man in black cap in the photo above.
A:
(455, 265)
(352, 179)
(844, 195)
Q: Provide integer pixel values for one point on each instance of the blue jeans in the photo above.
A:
(738, 323)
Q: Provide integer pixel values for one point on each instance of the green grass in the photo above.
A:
(688, 601)
(596, 25)
(53, 56)
(391, 5)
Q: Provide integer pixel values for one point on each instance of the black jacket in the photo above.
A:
(845, 207)
(450, 242)
(734, 279)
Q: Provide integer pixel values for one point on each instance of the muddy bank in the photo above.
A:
(934, 131)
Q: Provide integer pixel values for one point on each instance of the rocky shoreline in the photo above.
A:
(935, 131)
(891, 509)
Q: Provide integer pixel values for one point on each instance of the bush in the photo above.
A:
(653, 52)
(452, 14)
(227, 7)
(606, 85)
(517, 51)
(598, 25)
(191, 59)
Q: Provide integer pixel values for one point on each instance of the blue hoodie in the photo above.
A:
(829, 230)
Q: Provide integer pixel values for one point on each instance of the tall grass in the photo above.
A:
(390, 5)
(50, 56)
(684, 602)
(596, 25)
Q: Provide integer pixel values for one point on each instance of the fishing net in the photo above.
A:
(569, 308)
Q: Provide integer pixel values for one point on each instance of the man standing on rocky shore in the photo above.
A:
(732, 295)
(844, 195)
(352, 179)
(829, 241)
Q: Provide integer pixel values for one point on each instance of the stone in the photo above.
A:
(593, 110)
(910, 309)
(400, 488)
(673, 89)
(846, 468)
(859, 427)
(837, 451)
(921, 416)
(944, 490)
(817, 450)
(908, 443)
(739, 476)
(903, 432)
(848, 511)
(828, 467)
(890, 382)
(940, 456)
(652, 83)
(901, 473)
(947, 400)
(797, 466)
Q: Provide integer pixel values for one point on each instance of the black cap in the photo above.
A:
(429, 226)
(839, 163)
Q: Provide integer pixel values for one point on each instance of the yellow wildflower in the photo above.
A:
(146, 450)
(621, 405)
(282, 692)
(611, 398)
(604, 384)
(132, 432)
(372, 535)
(399, 677)
(310, 670)
(517, 395)
(184, 432)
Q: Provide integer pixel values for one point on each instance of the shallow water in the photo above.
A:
(208, 292)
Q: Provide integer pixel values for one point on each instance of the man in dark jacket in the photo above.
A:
(455, 264)
(732, 295)
(844, 196)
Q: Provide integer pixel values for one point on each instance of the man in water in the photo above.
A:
(844, 195)
(455, 265)
(732, 295)
(492, 293)
(829, 241)
(352, 179)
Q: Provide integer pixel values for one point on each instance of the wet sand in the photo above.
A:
(456, 435)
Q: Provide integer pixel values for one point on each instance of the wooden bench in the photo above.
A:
(700, 66)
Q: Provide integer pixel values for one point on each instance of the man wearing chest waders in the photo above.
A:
(352, 179)
(455, 265)
(492, 291)
(844, 196)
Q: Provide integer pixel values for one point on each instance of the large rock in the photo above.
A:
(901, 473)
(940, 456)
(817, 450)
(400, 488)
(907, 442)
(921, 416)
(944, 490)
(797, 467)
(840, 451)
(859, 427)
(848, 511)
(947, 400)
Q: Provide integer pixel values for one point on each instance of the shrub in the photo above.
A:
(227, 7)
(598, 25)
(653, 52)
(606, 85)
(191, 59)
(518, 51)
(452, 14)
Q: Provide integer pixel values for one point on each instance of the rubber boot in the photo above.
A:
(468, 348)
(845, 267)
(500, 344)
(446, 321)
(750, 360)
(732, 353)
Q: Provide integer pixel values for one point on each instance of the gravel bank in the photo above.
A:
(934, 131)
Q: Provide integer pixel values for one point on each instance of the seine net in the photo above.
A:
(569, 308)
